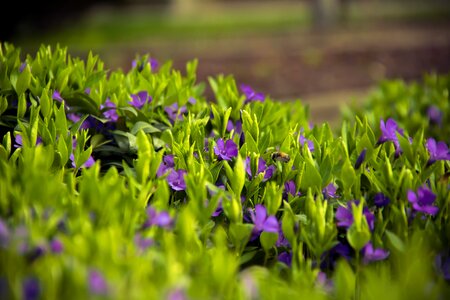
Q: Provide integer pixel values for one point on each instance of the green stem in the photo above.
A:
(358, 283)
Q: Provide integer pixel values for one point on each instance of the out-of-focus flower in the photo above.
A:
(290, 188)
(262, 221)
(97, 283)
(251, 95)
(110, 113)
(344, 215)
(177, 294)
(153, 64)
(140, 99)
(56, 246)
(381, 200)
(22, 67)
(161, 219)
(262, 167)
(176, 180)
(371, 254)
(225, 150)
(442, 263)
(4, 234)
(174, 112)
(360, 159)
(89, 163)
(237, 127)
(31, 289)
(438, 151)
(166, 165)
(423, 200)
(143, 243)
(18, 141)
(286, 258)
(310, 143)
(329, 191)
(57, 96)
(434, 115)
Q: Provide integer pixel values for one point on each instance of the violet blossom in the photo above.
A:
(97, 283)
(434, 115)
(251, 95)
(262, 168)
(174, 112)
(160, 219)
(344, 215)
(225, 150)
(329, 191)
(373, 254)
(110, 110)
(56, 246)
(237, 126)
(290, 188)
(31, 289)
(286, 258)
(18, 141)
(262, 221)
(140, 66)
(176, 180)
(360, 159)
(389, 133)
(438, 151)
(142, 243)
(310, 143)
(87, 164)
(166, 165)
(423, 200)
(381, 200)
(57, 96)
(4, 234)
(140, 99)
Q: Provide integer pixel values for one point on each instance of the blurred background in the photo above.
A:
(325, 52)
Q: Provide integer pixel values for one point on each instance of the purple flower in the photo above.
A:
(140, 99)
(325, 282)
(371, 254)
(87, 90)
(89, 163)
(56, 246)
(153, 64)
(388, 133)
(251, 95)
(286, 258)
(344, 215)
(160, 219)
(57, 96)
(262, 167)
(110, 110)
(97, 283)
(22, 67)
(73, 117)
(218, 210)
(329, 191)
(31, 289)
(438, 151)
(142, 243)
(177, 294)
(282, 241)
(423, 201)
(289, 188)
(435, 115)
(442, 263)
(262, 221)
(35, 253)
(310, 143)
(192, 100)
(18, 141)
(381, 200)
(360, 159)
(237, 126)
(174, 113)
(225, 150)
(166, 165)
(4, 234)
(176, 180)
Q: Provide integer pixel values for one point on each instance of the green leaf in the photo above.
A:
(145, 127)
(311, 177)
(395, 241)
(268, 240)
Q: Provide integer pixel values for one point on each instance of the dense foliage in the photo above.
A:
(134, 186)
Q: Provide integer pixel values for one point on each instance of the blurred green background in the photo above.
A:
(326, 52)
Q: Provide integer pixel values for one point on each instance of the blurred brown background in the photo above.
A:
(325, 52)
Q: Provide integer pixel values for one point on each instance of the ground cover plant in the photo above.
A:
(134, 186)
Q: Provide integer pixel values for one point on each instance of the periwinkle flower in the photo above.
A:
(160, 219)
(97, 283)
(389, 133)
(262, 168)
(143, 243)
(177, 294)
(174, 112)
(237, 127)
(140, 66)
(31, 289)
(89, 163)
(166, 165)
(438, 151)
(22, 67)
(381, 200)
(225, 150)
(110, 110)
(262, 221)
(423, 200)
(442, 263)
(57, 96)
(282, 241)
(329, 191)
(56, 246)
(286, 258)
(176, 180)
(360, 159)
(304, 140)
(73, 117)
(371, 254)
(290, 188)
(325, 282)
(4, 234)
(344, 215)
(140, 99)
(434, 115)
(251, 95)
(18, 141)
(35, 253)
